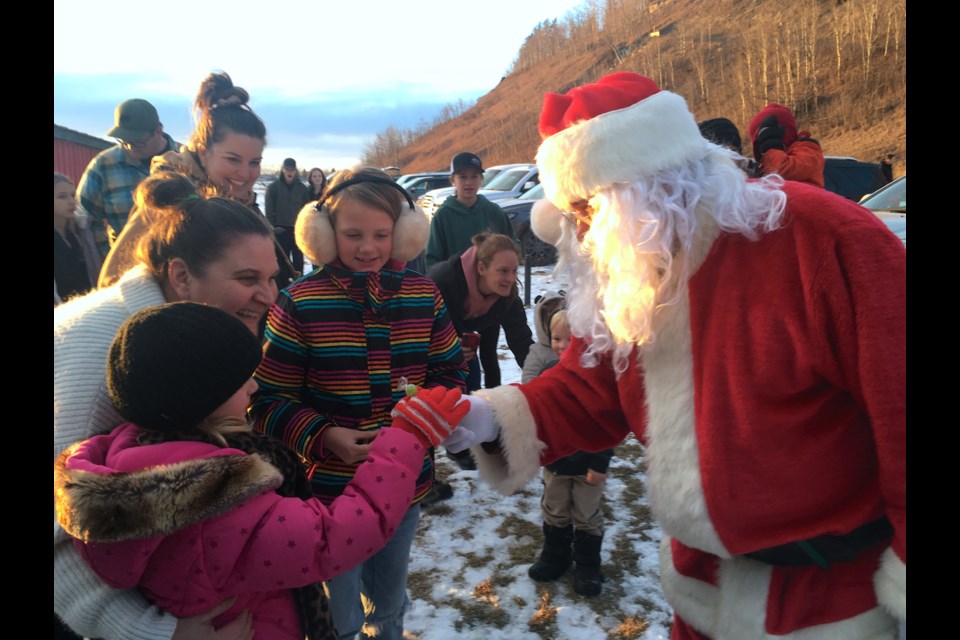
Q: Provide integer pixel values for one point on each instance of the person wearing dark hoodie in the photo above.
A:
(285, 196)
(781, 149)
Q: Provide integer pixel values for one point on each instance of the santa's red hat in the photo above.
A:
(618, 129)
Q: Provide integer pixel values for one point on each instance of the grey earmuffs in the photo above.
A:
(316, 239)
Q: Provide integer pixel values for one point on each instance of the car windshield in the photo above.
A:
(534, 193)
(507, 180)
(488, 177)
(892, 197)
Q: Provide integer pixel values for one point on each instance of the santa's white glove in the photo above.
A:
(476, 427)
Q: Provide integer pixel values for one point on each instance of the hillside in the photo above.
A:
(839, 64)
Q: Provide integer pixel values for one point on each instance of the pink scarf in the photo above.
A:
(476, 304)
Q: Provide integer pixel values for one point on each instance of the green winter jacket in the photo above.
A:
(454, 225)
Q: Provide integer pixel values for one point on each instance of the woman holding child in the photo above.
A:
(211, 250)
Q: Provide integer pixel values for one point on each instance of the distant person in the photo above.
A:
(452, 229)
(285, 196)
(76, 261)
(573, 522)
(723, 132)
(480, 289)
(224, 153)
(189, 505)
(106, 186)
(341, 344)
(316, 183)
(779, 148)
(886, 167)
(466, 214)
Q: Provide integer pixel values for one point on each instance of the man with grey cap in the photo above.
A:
(106, 188)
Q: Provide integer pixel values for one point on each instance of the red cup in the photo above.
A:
(470, 340)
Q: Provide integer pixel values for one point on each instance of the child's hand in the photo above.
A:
(348, 444)
(430, 414)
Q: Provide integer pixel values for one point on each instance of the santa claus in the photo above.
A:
(751, 334)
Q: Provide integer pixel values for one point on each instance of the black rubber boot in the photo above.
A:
(464, 460)
(587, 579)
(556, 556)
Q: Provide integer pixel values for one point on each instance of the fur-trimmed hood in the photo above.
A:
(102, 496)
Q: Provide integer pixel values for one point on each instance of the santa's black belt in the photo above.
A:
(825, 549)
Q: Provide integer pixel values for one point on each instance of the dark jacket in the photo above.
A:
(453, 226)
(283, 201)
(505, 312)
(579, 462)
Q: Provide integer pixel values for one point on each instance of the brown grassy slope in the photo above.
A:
(858, 110)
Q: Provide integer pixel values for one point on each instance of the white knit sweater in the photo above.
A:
(83, 329)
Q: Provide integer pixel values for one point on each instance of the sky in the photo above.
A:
(325, 77)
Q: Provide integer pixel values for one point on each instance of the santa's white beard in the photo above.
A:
(622, 271)
(644, 241)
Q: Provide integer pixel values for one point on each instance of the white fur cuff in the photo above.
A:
(519, 460)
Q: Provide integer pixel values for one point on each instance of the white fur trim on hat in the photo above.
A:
(651, 135)
(316, 239)
(545, 221)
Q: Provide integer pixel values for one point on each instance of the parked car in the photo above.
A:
(512, 183)
(420, 185)
(851, 178)
(889, 203)
(432, 200)
(537, 253)
(407, 177)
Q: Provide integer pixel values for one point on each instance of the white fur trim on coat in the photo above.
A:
(618, 146)
(316, 239)
(519, 461)
(890, 582)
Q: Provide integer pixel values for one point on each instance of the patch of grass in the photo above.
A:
(629, 629)
(544, 620)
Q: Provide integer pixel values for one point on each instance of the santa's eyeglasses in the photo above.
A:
(582, 212)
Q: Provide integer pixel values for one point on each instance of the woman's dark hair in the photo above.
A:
(221, 108)
(182, 222)
(490, 244)
(323, 182)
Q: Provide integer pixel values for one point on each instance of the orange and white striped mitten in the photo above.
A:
(430, 414)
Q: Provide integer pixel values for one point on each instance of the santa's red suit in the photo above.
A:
(772, 409)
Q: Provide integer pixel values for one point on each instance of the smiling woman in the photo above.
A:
(224, 153)
(481, 291)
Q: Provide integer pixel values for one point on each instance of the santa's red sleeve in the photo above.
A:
(565, 409)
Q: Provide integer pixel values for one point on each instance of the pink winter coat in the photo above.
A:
(191, 524)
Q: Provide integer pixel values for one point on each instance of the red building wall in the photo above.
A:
(73, 151)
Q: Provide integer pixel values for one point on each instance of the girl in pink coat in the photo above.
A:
(188, 504)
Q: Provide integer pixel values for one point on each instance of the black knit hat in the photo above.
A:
(723, 132)
(170, 366)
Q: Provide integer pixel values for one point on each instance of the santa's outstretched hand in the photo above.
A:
(476, 427)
